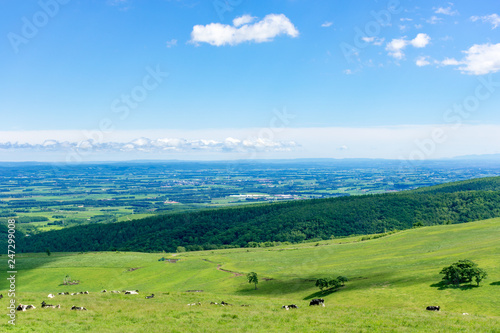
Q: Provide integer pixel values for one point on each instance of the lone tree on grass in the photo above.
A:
(252, 278)
(463, 271)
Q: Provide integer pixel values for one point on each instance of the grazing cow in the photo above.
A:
(85, 292)
(152, 295)
(104, 291)
(224, 303)
(78, 308)
(115, 291)
(433, 308)
(131, 292)
(73, 294)
(50, 296)
(465, 314)
(22, 307)
(245, 305)
(45, 305)
(1, 296)
(317, 301)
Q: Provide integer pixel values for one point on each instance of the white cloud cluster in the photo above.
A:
(446, 10)
(493, 19)
(244, 29)
(327, 24)
(160, 145)
(396, 46)
(422, 61)
(373, 40)
(480, 59)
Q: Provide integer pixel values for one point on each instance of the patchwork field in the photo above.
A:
(391, 281)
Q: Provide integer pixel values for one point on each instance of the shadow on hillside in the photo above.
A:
(285, 286)
(443, 286)
(321, 294)
(29, 261)
(495, 283)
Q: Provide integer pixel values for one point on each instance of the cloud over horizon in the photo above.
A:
(159, 145)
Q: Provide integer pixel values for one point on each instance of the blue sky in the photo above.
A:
(126, 79)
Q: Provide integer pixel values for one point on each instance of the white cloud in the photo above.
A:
(446, 11)
(493, 19)
(157, 145)
(374, 40)
(421, 40)
(396, 46)
(480, 59)
(327, 24)
(422, 61)
(450, 62)
(171, 43)
(262, 31)
(245, 19)
(434, 20)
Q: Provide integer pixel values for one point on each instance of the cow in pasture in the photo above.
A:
(45, 305)
(104, 291)
(433, 308)
(73, 294)
(317, 301)
(224, 303)
(1, 296)
(78, 308)
(131, 292)
(245, 305)
(50, 296)
(152, 295)
(115, 291)
(22, 307)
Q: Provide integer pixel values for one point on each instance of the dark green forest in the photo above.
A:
(294, 221)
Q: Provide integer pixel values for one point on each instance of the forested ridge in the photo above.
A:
(293, 221)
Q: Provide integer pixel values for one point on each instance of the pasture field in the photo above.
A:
(391, 281)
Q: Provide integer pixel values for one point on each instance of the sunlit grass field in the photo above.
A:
(392, 280)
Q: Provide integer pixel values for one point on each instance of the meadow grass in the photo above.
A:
(392, 280)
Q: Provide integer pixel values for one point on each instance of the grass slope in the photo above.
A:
(392, 280)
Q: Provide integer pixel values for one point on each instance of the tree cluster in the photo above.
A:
(463, 271)
(331, 283)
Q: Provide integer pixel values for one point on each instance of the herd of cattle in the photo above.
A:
(24, 307)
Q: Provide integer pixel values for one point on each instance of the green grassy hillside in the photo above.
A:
(285, 222)
(392, 280)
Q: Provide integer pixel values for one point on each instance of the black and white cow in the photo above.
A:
(22, 307)
(78, 308)
(45, 305)
(131, 292)
(433, 308)
(152, 295)
(317, 301)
